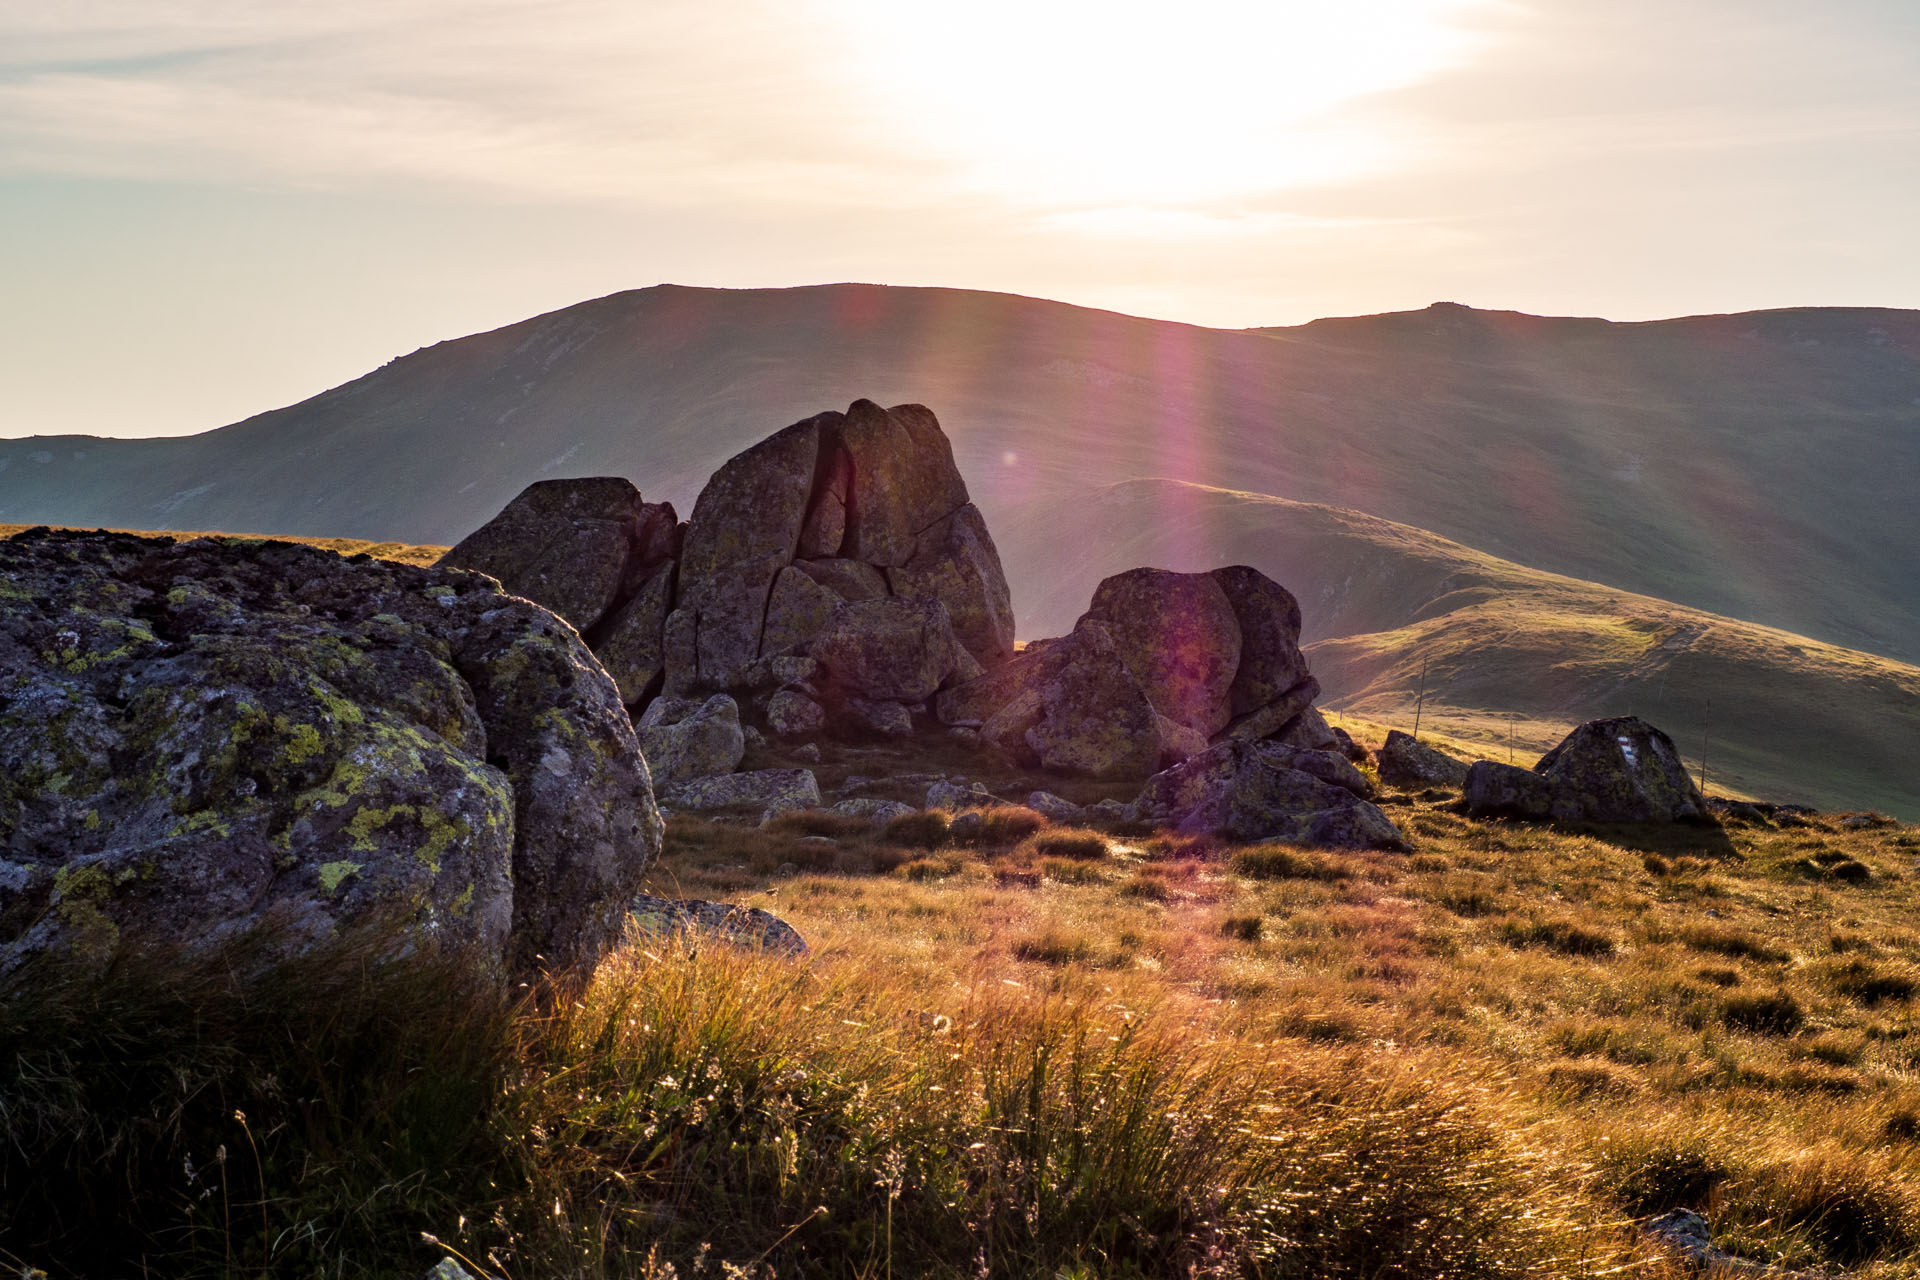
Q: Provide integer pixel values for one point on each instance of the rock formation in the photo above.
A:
(835, 573)
(199, 737)
(1161, 665)
(1618, 770)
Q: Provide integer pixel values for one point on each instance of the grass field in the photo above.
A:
(404, 553)
(1047, 1052)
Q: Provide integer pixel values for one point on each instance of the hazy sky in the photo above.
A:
(209, 208)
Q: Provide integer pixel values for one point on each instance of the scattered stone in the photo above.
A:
(449, 1268)
(888, 719)
(880, 812)
(1686, 1234)
(1265, 791)
(1052, 807)
(313, 740)
(683, 741)
(773, 791)
(954, 797)
(967, 826)
(1346, 746)
(1409, 764)
(748, 927)
(791, 714)
(807, 753)
(1617, 770)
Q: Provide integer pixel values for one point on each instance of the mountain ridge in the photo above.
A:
(1755, 465)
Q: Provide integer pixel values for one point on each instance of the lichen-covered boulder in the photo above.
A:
(1271, 663)
(1617, 770)
(1265, 791)
(893, 650)
(200, 738)
(563, 544)
(1178, 635)
(1275, 717)
(683, 741)
(1407, 762)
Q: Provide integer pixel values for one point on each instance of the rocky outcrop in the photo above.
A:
(863, 508)
(1266, 791)
(1406, 762)
(202, 737)
(767, 792)
(1160, 665)
(1617, 770)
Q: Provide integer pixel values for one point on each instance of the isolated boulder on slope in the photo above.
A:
(1617, 770)
(201, 737)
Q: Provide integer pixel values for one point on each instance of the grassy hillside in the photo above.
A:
(1046, 1053)
(1782, 717)
(1760, 466)
(403, 553)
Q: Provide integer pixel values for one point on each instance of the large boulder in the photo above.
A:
(891, 650)
(1265, 791)
(204, 737)
(1271, 664)
(744, 530)
(563, 544)
(955, 562)
(1178, 635)
(1617, 770)
(1407, 762)
(904, 480)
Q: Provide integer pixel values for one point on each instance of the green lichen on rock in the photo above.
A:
(196, 737)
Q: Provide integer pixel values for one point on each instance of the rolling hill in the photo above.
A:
(1760, 466)
(1782, 717)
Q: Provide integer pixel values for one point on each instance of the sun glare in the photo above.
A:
(1088, 101)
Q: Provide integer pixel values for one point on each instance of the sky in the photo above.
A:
(210, 208)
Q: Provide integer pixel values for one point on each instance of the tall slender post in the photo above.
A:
(1509, 737)
(1706, 724)
(1420, 702)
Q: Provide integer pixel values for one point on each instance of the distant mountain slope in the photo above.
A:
(1782, 717)
(1762, 465)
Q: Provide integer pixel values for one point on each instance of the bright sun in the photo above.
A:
(1071, 102)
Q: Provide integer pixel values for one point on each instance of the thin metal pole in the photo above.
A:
(1509, 737)
(1421, 701)
(1706, 724)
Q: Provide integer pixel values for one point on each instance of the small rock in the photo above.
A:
(967, 826)
(807, 753)
(791, 714)
(681, 746)
(1052, 807)
(953, 798)
(888, 719)
(741, 926)
(775, 791)
(1406, 762)
(880, 812)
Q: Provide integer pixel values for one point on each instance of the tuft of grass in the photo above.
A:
(1085, 846)
(819, 822)
(1005, 825)
(1283, 862)
(1070, 871)
(1869, 983)
(1568, 937)
(926, 829)
(1721, 941)
(1242, 928)
(1769, 1013)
